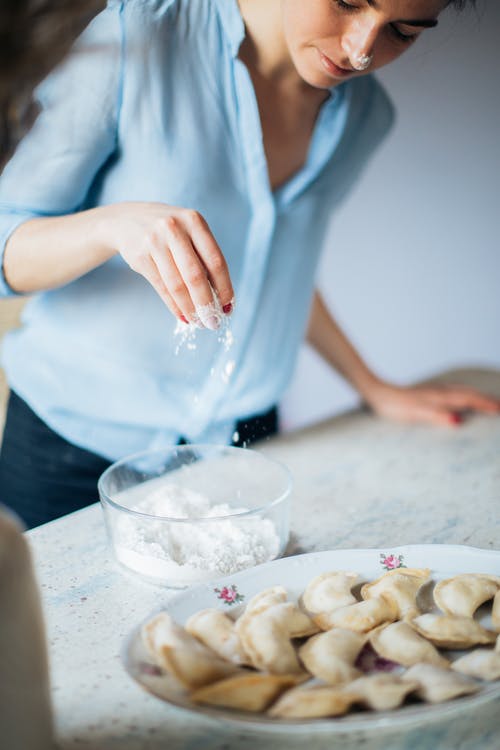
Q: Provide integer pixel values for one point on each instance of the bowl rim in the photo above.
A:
(106, 500)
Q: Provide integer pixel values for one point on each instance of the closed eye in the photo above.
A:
(346, 6)
(401, 35)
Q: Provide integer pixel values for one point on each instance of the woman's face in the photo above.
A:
(331, 41)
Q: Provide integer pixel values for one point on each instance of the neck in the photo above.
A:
(264, 48)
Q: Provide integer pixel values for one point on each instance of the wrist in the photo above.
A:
(369, 386)
(103, 233)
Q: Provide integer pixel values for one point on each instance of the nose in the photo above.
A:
(357, 43)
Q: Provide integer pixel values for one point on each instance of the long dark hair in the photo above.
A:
(34, 36)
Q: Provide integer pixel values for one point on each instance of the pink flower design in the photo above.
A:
(229, 594)
(391, 562)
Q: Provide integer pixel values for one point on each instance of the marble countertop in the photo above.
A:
(358, 482)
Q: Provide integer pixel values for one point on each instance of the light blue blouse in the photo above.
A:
(154, 105)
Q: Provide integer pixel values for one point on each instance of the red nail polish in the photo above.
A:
(226, 309)
(456, 418)
(184, 320)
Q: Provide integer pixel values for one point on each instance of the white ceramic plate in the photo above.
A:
(294, 573)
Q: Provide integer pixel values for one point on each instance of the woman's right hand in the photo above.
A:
(174, 249)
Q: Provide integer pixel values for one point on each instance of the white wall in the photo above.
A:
(412, 264)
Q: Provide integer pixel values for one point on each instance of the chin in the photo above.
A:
(311, 73)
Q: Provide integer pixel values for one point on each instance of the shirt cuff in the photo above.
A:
(8, 225)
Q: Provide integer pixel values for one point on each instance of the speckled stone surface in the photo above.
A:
(359, 482)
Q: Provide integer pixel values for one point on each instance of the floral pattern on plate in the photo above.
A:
(229, 594)
(391, 562)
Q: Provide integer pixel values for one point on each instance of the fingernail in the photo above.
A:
(184, 320)
(209, 316)
(212, 322)
(456, 418)
(227, 309)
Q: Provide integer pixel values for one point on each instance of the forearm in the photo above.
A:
(49, 252)
(326, 337)
(437, 404)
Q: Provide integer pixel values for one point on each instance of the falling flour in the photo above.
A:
(185, 333)
(180, 553)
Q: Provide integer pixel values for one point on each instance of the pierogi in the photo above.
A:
(306, 659)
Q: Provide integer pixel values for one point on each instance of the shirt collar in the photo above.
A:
(232, 22)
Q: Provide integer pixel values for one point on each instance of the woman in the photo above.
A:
(190, 158)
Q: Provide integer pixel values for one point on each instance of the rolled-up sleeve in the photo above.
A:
(75, 133)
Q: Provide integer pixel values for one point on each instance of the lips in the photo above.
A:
(334, 70)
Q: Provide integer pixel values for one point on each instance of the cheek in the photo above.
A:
(309, 25)
(306, 21)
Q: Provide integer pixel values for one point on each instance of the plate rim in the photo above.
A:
(188, 591)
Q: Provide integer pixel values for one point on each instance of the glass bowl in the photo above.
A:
(193, 513)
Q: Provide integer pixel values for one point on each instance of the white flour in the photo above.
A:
(211, 317)
(186, 333)
(184, 553)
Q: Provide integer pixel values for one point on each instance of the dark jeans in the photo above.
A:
(43, 476)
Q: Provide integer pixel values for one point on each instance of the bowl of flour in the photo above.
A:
(194, 513)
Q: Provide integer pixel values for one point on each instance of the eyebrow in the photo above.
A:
(426, 23)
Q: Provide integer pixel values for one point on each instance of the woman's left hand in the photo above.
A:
(434, 404)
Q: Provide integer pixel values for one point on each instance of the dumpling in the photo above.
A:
(330, 656)
(266, 628)
(217, 631)
(264, 599)
(380, 692)
(247, 692)
(299, 625)
(266, 637)
(400, 586)
(400, 643)
(311, 703)
(260, 602)
(452, 632)
(463, 594)
(182, 655)
(361, 617)
(257, 604)
(436, 684)
(329, 591)
(483, 663)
